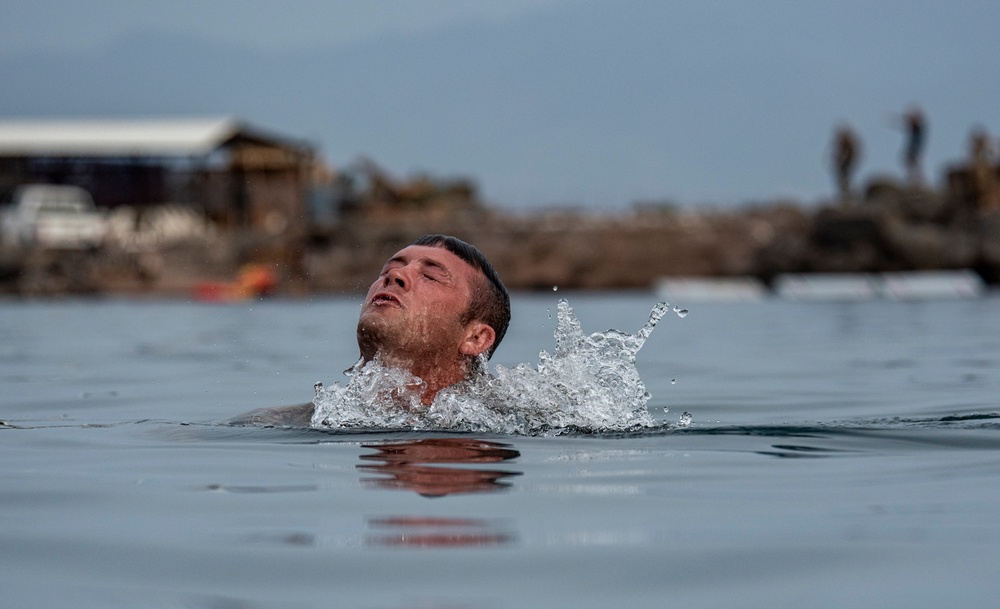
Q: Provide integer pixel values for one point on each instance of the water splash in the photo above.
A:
(589, 383)
(685, 419)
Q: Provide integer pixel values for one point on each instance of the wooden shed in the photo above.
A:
(234, 173)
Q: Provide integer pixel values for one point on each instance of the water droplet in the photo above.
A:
(680, 312)
(685, 419)
(673, 381)
(665, 410)
(555, 288)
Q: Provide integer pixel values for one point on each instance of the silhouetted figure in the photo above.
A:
(846, 151)
(982, 166)
(916, 134)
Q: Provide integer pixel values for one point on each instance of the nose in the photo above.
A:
(398, 276)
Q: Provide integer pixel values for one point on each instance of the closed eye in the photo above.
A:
(435, 272)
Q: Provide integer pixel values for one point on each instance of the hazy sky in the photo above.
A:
(593, 102)
(35, 25)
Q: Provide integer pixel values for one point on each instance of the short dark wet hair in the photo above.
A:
(490, 305)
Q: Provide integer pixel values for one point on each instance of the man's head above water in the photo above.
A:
(436, 306)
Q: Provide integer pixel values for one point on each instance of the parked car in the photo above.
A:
(52, 216)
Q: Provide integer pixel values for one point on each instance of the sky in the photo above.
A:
(594, 103)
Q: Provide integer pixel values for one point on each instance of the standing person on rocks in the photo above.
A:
(983, 168)
(434, 309)
(915, 127)
(846, 151)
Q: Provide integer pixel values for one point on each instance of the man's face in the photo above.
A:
(414, 307)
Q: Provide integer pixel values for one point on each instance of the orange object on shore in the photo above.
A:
(254, 281)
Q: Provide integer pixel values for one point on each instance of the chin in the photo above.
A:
(375, 330)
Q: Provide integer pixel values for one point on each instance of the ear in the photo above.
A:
(479, 337)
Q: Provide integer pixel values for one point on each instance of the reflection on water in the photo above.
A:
(432, 532)
(416, 466)
(424, 467)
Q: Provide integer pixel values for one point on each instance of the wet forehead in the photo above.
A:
(438, 257)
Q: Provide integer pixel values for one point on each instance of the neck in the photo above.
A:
(436, 373)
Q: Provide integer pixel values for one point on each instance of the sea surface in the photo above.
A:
(838, 455)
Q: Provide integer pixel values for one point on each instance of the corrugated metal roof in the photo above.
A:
(115, 137)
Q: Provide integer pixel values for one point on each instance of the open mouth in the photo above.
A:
(383, 298)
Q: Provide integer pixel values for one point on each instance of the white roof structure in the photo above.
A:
(115, 137)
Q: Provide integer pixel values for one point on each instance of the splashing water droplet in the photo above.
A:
(555, 288)
(654, 317)
(680, 312)
(673, 381)
(685, 419)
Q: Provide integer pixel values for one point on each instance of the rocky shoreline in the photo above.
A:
(888, 228)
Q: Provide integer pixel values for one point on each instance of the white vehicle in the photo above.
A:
(51, 216)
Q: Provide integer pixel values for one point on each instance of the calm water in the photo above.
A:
(841, 455)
